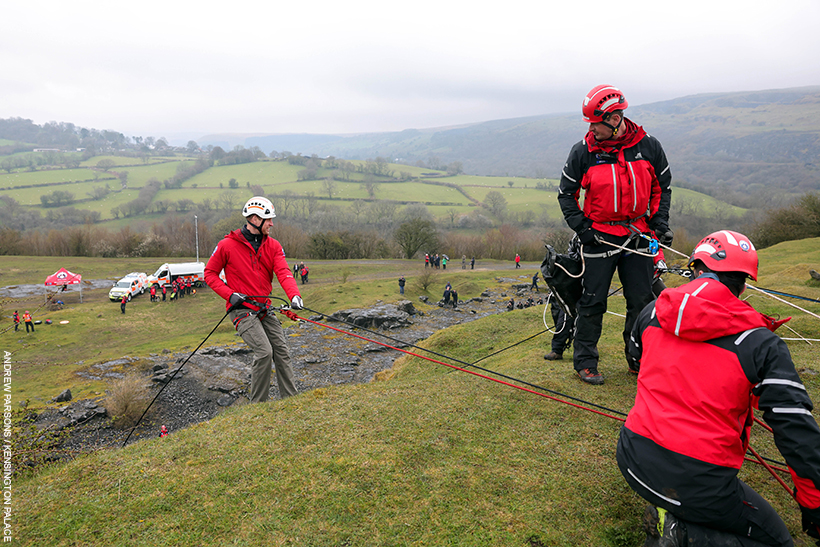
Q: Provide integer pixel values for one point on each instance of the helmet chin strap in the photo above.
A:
(258, 228)
(612, 127)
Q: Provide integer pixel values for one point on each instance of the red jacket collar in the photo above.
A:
(632, 134)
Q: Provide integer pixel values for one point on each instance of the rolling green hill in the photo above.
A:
(280, 180)
(418, 457)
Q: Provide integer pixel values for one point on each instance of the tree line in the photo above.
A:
(309, 228)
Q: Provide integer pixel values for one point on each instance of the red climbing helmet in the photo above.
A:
(727, 251)
(601, 102)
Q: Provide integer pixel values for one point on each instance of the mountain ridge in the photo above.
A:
(742, 142)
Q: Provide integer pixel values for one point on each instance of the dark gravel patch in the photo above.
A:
(218, 377)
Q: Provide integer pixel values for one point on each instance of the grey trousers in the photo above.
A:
(267, 340)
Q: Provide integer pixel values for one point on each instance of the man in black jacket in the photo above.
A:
(627, 194)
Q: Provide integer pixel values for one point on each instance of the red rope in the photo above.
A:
(775, 475)
(292, 315)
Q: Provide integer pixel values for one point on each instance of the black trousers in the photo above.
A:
(601, 263)
(717, 508)
(563, 329)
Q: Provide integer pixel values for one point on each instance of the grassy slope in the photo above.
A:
(423, 457)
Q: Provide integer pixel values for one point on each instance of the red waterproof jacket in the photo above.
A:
(707, 359)
(247, 271)
(625, 181)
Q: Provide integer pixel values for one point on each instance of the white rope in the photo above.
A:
(673, 250)
(544, 318)
(798, 334)
(583, 266)
(783, 301)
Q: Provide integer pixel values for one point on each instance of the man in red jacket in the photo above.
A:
(627, 192)
(707, 359)
(250, 258)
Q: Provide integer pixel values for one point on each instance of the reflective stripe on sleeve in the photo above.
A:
(781, 382)
(791, 411)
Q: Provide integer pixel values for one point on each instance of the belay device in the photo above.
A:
(562, 272)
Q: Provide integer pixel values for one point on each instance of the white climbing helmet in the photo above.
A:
(259, 206)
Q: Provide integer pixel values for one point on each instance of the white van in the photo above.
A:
(132, 284)
(195, 271)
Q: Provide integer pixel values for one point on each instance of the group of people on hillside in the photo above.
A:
(450, 296)
(27, 319)
(302, 271)
(176, 290)
(436, 261)
(702, 357)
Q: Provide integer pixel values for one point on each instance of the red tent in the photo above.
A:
(64, 277)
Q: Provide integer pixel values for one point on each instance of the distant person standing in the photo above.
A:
(402, 281)
(534, 286)
(27, 320)
(163, 292)
(626, 181)
(153, 293)
(426, 260)
(444, 260)
(123, 302)
(16, 321)
(472, 263)
(250, 259)
(517, 261)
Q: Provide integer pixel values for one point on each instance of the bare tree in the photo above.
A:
(496, 203)
(358, 208)
(415, 234)
(228, 200)
(329, 186)
(370, 184)
(106, 164)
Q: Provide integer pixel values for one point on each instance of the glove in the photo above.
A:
(810, 525)
(236, 300)
(296, 303)
(589, 237)
(660, 265)
(665, 237)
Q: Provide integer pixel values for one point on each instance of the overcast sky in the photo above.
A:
(184, 69)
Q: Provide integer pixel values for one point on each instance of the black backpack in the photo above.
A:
(558, 271)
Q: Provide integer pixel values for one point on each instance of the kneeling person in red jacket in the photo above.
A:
(250, 259)
(707, 359)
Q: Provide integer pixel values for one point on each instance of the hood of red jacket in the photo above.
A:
(705, 309)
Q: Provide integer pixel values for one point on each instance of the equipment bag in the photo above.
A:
(567, 289)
